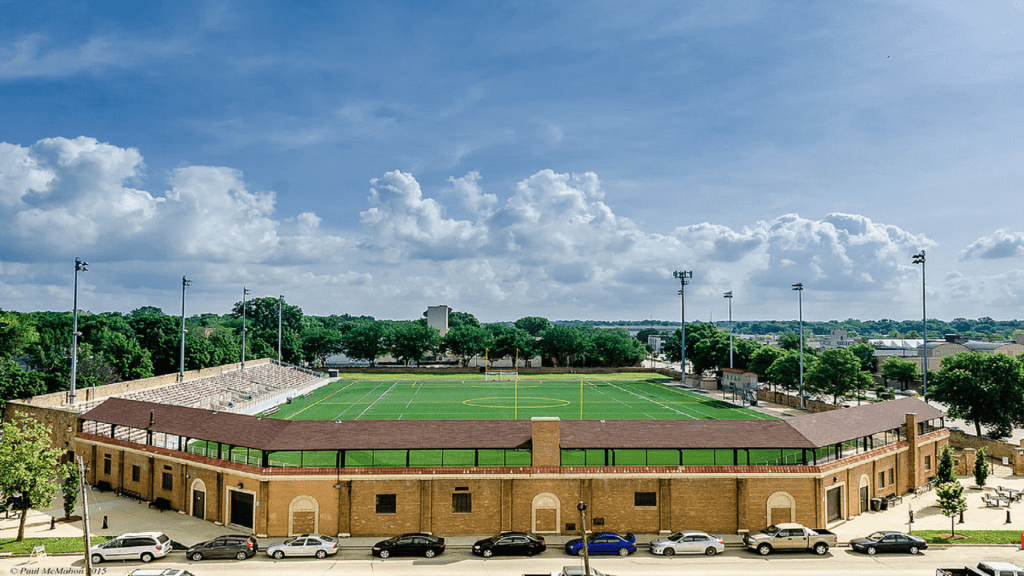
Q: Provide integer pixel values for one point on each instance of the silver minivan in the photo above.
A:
(144, 546)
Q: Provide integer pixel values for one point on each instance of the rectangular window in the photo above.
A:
(136, 474)
(891, 471)
(106, 464)
(645, 499)
(881, 479)
(168, 482)
(927, 463)
(387, 504)
(462, 503)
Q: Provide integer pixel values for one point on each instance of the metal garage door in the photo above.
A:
(833, 504)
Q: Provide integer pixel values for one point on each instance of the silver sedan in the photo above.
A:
(688, 542)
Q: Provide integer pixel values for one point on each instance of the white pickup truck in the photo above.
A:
(983, 569)
(790, 537)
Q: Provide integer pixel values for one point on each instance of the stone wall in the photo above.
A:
(813, 406)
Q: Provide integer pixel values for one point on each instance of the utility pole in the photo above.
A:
(245, 292)
(684, 279)
(85, 515)
(185, 282)
(919, 259)
(582, 507)
(80, 266)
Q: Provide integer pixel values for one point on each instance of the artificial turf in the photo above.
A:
(622, 396)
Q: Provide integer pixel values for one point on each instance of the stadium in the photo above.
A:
(277, 450)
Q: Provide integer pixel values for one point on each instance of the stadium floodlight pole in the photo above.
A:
(280, 304)
(181, 368)
(684, 279)
(729, 296)
(80, 266)
(245, 292)
(799, 287)
(919, 259)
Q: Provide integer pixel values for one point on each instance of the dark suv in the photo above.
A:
(229, 546)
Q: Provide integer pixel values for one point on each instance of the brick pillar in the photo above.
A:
(970, 456)
(1018, 462)
(913, 465)
(547, 450)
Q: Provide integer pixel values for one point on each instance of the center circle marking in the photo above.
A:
(509, 402)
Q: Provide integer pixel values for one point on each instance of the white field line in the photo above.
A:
(357, 401)
(377, 400)
(677, 411)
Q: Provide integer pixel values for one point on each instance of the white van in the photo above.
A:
(144, 546)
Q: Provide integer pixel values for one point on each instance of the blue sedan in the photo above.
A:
(603, 543)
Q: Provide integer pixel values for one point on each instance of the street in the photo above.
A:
(839, 562)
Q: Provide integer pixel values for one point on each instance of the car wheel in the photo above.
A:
(384, 553)
(669, 551)
(914, 550)
(241, 556)
(321, 554)
(710, 551)
(821, 549)
(764, 549)
(429, 553)
(488, 553)
(278, 554)
(97, 559)
(579, 552)
(871, 550)
(146, 557)
(197, 556)
(623, 552)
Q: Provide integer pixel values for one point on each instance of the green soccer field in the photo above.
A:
(626, 396)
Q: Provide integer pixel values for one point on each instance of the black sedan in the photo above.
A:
(888, 541)
(416, 544)
(510, 544)
(237, 546)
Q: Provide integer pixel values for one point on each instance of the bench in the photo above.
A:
(104, 486)
(893, 499)
(161, 504)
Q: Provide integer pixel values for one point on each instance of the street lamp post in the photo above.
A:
(80, 266)
(582, 507)
(919, 259)
(684, 279)
(799, 287)
(729, 296)
(280, 305)
(181, 367)
(245, 292)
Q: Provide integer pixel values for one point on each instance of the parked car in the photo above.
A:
(510, 544)
(572, 571)
(160, 572)
(603, 543)
(144, 546)
(416, 544)
(983, 569)
(238, 546)
(305, 545)
(790, 536)
(688, 542)
(888, 541)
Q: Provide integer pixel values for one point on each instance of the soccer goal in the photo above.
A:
(509, 375)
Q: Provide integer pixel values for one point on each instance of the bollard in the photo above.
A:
(1007, 515)
(961, 517)
(53, 522)
(104, 522)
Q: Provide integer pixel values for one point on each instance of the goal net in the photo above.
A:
(508, 375)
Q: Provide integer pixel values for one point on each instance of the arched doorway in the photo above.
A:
(865, 493)
(197, 499)
(546, 515)
(303, 516)
(781, 508)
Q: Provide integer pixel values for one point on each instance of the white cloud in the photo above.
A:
(1001, 244)
(467, 189)
(36, 56)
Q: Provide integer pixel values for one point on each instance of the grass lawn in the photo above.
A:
(972, 536)
(624, 396)
(53, 545)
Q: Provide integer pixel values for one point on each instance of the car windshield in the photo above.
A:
(392, 540)
(771, 530)
(289, 541)
(327, 539)
(675, 537)
(163, 539)
(876, 536)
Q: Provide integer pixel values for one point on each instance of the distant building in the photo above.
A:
(657, 342)
(437, 317)
(837, 339)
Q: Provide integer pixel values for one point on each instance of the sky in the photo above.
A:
(510, 159)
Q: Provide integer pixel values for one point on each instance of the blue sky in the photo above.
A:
(511, 159)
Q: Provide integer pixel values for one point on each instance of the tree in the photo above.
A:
(763, 358)
(534, 325)
(367, 341)
(642, 335)
(16, 383)
(865, 354)
(71, 486)
(511, 342)
(31, 468)
(980, 467)
(411, 341)
(986, 389)
(951, 502)
(16, 334)
(467, 340)
(318, 343)
(611, 348)
(560, 342)
(789, 341)
(707, 348)
(944, 471)
(461, 318)
(785, 370)
(127, 357)
(900, 370)
(671, 348)
(837, 372)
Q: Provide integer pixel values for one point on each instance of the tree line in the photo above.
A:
(35, 348)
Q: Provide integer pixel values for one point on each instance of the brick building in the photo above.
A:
(277, 477)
